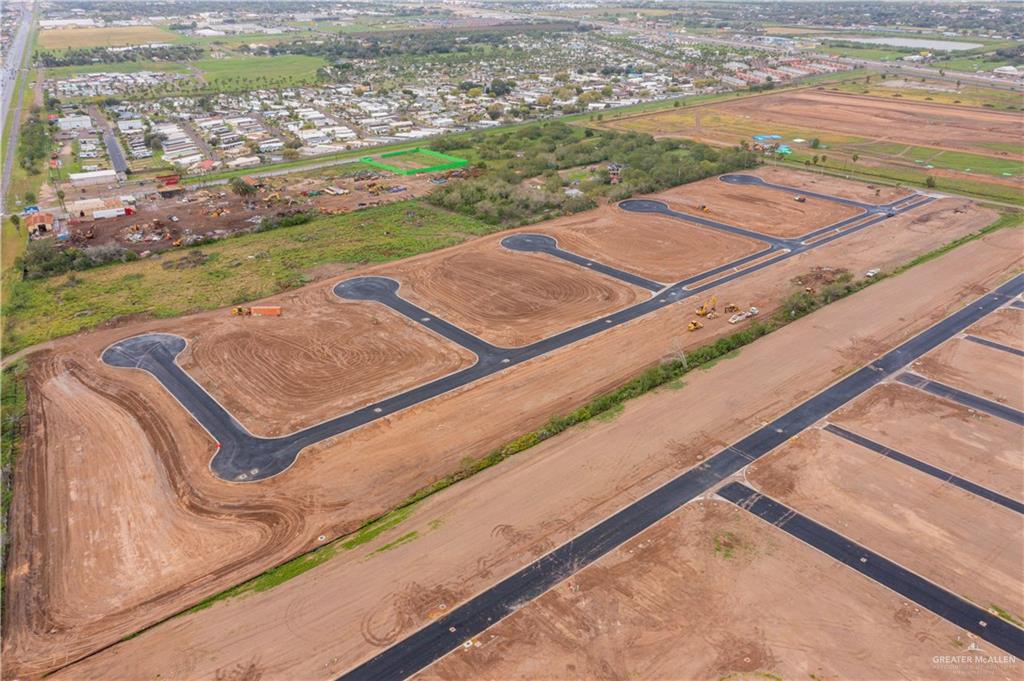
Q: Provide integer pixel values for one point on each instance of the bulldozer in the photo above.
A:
(694, 325)
(240, 311)
(708, 308)
(730, 308)
(704, 208)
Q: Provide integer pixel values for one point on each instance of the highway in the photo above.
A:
(11, 100)
(443, 635)
(244, 457)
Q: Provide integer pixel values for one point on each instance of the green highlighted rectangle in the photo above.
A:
(435, 160)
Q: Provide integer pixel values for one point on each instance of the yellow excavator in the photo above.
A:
(708, 308)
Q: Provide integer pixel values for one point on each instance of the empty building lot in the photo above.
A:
(354, 475)
(469, 537)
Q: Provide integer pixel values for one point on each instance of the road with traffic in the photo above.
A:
(11, 97)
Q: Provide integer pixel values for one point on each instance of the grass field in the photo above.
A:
(111, 36)
(237, 270)
(284, 70)
(58, 72)
(937, 91)
(872, 53)
(972, 64)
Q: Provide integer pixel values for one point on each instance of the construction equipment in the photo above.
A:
(800, 199)
(256, 310)
(708, 307)
(740, 316)
(704, 208)
(730, 308)
(694, 325)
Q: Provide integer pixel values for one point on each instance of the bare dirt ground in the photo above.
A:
(978, 447)
(1004, 326)
(328, 357)
(204, 213)
(510, 298)
(407, 450)
(711, 593)
(953, 127)
(657, 247)
(365, 193)
(987, 372)
(933, 125)
(481, 530)
(828, 184)
(217, 211)
(761, 209)
(934, 529)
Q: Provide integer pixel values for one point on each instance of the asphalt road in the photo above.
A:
(10, 98)
(117, 159)
(997, 346)
(242, 457)
(542, 243)
(933, 471)
(967, 399)
(445, 634)
(945, 604)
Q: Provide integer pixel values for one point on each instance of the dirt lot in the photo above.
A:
(827, 184)
(479, 531)
(933, 125)
(657, 247)
(977, 130)
(280, 374)
(761, 209)
(1005, 326)
(199, 213)
(338, 484)
(935, 529)
(362, 193)
(711, 593)
(510, 298)
(978, 447)
(218, 212)
(983, 371)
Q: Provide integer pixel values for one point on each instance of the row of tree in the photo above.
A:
(83, 56)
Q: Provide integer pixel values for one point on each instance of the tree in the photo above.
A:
(856, 157)
(930, 182)
(815, 143)
(60, 198)
(241, 187)
(16, 221)
(814, 159)
(824, 158)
